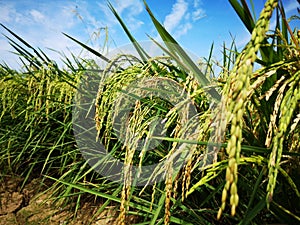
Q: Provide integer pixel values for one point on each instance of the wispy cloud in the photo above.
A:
(41, 24)
(174, 18)
(197, 3)
(36, 15)
(9, 14)
(134, 7)
(6, 13)
(129, 11)
(198, 14)
(180, 20)
(183, 29)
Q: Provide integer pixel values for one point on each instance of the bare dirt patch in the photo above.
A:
(32, 206)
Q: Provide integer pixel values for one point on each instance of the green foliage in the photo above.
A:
(258, 163)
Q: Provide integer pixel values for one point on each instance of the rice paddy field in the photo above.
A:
(164, 139)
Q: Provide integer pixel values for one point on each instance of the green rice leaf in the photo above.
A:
(88, 48)
(138, 48)
(244, 13)
(185, 61)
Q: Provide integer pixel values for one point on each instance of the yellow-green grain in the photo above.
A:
(235, 98)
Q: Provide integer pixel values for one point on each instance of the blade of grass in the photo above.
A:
(110, 197)
(24, 42)
(253, 213)
(208, 65)
(250, 214)
(158, 210)
(244, 14)
(138, 48)
(186, 61)
(88, 48)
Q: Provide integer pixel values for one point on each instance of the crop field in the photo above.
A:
(161, 139)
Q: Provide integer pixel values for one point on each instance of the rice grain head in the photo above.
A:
(235, 99)
(288, 105)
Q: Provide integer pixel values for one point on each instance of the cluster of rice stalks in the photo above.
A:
(36, 129)
(145, 134)
(260, 108)
(174, 141)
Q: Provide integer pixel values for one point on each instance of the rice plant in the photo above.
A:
(236, 138)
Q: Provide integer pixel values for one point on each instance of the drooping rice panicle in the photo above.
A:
(44, 99)
(273, 119)
(289, 103)
(153, 196)
(295, 122)
(235, 99)
(168, 193)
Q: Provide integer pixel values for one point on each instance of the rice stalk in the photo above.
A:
(168, 193)
(295, 123)
(112, 81)
(273, 119)
(152, 196)
(43, 97)
(289, 103)
(235, 99)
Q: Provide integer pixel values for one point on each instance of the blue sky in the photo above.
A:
(195, 24)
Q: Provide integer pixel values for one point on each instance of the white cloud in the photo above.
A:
(41, 26)
(37, 16)
(187, 16)
(178, 11)
(183, 29)
(196, 3)
(134, 24)
(90, 24)
(131, 9)
(135, 7)
(6, 12)
(198, 14)
(243, 40)
(183, 15)
(128, 10)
